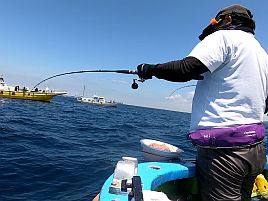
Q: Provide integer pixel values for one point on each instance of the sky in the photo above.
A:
(42, 38)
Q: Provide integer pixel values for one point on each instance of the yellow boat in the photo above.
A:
(25, 94)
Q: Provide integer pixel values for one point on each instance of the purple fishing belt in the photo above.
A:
(236, 136)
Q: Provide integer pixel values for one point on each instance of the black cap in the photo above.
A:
(235, 9)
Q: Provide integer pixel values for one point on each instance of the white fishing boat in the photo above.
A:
(166, 177)
(96, 100)
(17, 92)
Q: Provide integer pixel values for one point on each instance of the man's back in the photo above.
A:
(233, 91)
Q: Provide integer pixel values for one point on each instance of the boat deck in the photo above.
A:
(155, 174)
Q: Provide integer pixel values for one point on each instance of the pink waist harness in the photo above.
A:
(241, 135)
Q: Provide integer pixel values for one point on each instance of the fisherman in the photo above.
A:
(228, 105)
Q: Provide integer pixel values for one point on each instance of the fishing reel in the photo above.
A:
(135, 85)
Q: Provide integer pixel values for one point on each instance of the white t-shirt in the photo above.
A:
(235, 89)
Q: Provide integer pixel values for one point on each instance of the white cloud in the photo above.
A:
(180, 102)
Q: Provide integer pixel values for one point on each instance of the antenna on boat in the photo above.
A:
(84, 91)
(134, 85)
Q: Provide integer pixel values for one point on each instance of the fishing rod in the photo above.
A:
(134, 84)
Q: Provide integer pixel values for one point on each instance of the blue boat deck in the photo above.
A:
(155, 174)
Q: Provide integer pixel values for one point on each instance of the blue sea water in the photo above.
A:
(64, 150)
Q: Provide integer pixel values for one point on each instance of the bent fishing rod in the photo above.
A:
(134, 84)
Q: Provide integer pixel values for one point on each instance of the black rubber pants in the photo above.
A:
(229, 174)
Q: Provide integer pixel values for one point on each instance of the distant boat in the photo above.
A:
(96, 100)
(25, 94)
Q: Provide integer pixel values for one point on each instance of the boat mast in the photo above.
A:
(84, 91)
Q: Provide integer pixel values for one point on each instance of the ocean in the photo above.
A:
(65, 150)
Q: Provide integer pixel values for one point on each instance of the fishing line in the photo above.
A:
(193, 85)
(134, 85)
